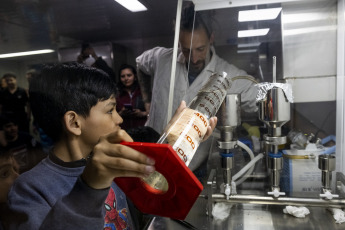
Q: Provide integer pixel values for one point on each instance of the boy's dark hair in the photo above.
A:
(143, 134)
(66, 87)
(4, 120)
(6, 75)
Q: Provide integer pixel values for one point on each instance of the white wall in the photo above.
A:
(310, 47)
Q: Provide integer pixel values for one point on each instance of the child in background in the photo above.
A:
(9, 171)
(24, 147)
(73, 187)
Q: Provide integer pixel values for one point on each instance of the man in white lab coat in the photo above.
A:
(195, 64)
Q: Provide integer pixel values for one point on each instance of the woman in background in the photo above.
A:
(129, 100)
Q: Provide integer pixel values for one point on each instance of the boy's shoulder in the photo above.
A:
(33, 175)
(45, 181)
(43, 173)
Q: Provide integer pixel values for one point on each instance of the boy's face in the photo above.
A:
(103, 120)
(11, 130)
(8, 173)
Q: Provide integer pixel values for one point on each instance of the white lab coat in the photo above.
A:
(157, 63)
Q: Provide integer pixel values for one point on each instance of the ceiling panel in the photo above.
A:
(38, 24)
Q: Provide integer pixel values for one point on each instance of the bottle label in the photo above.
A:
(187, 132)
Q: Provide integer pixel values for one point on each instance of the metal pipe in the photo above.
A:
(252, 199)
(276, 165)
(274, 69)
(227, 165)
(174, 59)
(327, 165)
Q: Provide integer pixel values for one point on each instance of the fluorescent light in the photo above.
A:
(303, 17)
(26, 53)
(292, 32)
(254, 44)
(132, 5)
(246, 51)
(258, 15)
(252, 33)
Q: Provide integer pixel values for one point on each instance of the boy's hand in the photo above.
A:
(111, 159)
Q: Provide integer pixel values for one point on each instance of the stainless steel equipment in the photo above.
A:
(228, 119)
(327, 165)
(274, 111)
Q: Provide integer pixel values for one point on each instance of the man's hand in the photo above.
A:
(210, 128)
(111, 159)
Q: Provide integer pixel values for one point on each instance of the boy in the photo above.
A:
(75, 106)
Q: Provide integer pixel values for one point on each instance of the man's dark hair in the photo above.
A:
(195, 20)
(66, 87)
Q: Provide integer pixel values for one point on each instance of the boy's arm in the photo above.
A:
(81, 209)
(110, 160)
(82, 206)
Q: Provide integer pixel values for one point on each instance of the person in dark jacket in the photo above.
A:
(14, 102)
(130, 103)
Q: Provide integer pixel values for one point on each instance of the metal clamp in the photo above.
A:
(227, 144)
(275, 140)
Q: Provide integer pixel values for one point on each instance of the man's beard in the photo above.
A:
(195, 69)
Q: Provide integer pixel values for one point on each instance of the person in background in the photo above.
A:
(196, 61)
(30, 74)
(89, 57)
(130, 104)
(45, 142)
(9, 171)
(14, 102)
(26, 150)
(3, 84)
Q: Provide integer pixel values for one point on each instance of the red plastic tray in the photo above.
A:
(184, 187)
